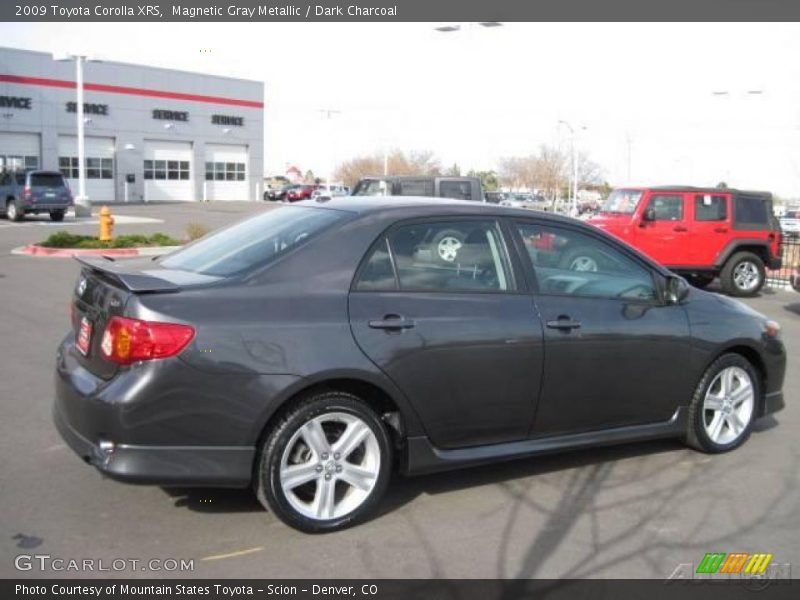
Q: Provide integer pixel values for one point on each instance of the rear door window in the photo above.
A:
(459, 190)
(710, 208)
(454, 256)
(414, 187)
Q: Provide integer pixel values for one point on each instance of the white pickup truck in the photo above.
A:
(790, 224)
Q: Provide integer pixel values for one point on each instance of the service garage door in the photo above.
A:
(167, 171)
(226, 172)
(19, 151)
(99, 154)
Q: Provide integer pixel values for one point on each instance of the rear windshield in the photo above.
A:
(254, 242)
(47, 180)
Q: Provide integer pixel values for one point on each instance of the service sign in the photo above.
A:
(89, 108)
(15, 102)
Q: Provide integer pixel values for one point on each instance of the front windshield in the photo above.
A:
(622, 201)
(253, 242)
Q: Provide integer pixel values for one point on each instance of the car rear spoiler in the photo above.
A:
(133, 281)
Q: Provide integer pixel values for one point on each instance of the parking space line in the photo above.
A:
(233, 554)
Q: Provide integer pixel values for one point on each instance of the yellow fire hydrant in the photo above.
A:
(106, 224)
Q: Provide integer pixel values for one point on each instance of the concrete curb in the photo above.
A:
(36, 250)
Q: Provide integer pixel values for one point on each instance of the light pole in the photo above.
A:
(328, 114)
(82, 206)
(573, 135)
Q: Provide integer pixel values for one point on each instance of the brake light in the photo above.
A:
(126, 340)
(26, 191)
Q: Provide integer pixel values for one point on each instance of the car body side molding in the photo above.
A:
(423, 457)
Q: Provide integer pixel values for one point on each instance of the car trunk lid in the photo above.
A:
(103, 291)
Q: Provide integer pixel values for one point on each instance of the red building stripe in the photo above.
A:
(133, 91)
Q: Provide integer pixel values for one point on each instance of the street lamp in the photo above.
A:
(82, 206)
(328, 114)
(574, 209)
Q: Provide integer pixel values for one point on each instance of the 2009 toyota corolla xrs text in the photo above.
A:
(313, 349)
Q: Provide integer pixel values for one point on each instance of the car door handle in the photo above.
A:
(721, 230)
(679, 228)
(564, 323)
(392, 322)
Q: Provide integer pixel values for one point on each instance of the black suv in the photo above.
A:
(458, 188)
(34, 192)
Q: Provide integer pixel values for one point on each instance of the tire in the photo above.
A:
(57, 215)
(446, 245)
(13, 212)
(302, 505)
(731, 383)
(580, 259)
(743, 275)
(700, 281)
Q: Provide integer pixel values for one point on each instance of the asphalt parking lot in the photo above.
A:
(633, 511)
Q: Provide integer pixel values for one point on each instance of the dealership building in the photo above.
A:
(151, 134)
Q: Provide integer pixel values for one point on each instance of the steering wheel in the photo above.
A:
(647, 291)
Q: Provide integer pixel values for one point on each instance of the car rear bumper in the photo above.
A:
(46, 206)
(164, 424)
(162, 465)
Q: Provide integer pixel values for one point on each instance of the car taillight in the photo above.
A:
(26, 191)
(126, 340)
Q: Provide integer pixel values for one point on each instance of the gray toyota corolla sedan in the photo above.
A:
(313, 349)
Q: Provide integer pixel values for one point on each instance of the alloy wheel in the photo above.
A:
(746, 276)
(728, 405)
(330, 466)
(11, 211)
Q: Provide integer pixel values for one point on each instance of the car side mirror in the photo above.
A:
(677, 290)
(649, 215)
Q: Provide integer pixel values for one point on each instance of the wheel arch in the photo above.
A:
(751, 355)
(387, 401)
(757, 246)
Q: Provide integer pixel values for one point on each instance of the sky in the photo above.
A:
(641, 97)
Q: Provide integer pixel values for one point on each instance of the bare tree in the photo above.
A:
(419, 162)
(589, 172)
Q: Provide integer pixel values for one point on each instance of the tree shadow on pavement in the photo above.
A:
(794, 307)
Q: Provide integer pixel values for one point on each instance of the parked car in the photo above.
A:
(790, 224)
(514, 201)
(701, 233)
(311, 350)
(493, 197)
(459, 188)
(300, 192)
(330, 191)
(34, 192)
(277, 193)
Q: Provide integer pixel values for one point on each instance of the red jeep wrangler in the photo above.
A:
(700, 233)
